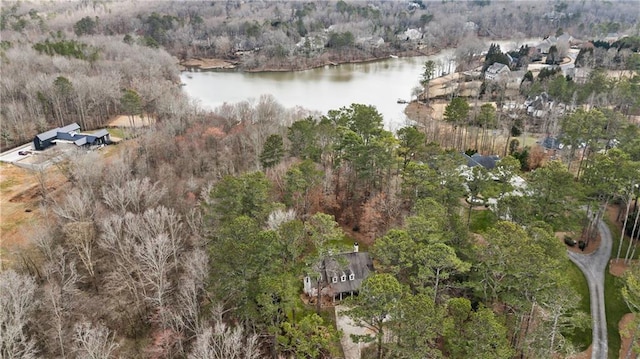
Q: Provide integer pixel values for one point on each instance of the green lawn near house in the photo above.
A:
(117, 132)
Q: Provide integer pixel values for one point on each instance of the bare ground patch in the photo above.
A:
(625, 326)
(479, 239)
(208, 64)
(618, 267)
(593, 244)
(20, 198)
(130, 122)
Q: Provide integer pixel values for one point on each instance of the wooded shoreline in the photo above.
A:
(217, 64)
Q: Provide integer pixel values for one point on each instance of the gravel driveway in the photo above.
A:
(351, 350)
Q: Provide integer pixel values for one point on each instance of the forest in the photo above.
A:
(191, 238)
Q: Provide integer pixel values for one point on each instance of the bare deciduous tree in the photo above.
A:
(17, 301)
(153, 255)
(222, 342)
(94, 342)
(121, 280)
(77, 206)
(135, 195)
(145, 251)
(280, 216)
(186, 313)
(81, 236)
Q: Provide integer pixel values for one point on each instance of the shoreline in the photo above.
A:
(302, 63)
(217, 64)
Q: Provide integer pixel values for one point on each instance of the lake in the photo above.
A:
(380, 83)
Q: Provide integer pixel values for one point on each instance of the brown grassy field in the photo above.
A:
(20, 212)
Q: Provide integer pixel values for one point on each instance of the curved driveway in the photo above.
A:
(593, 266)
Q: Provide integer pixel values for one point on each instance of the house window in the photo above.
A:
(352, 276)
(334, 280)
(343, 278)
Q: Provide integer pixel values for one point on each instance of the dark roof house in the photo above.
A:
(69, 128)
(70, 133)
(339, 274)
(45, 139)
(551, 143)
(477, 159)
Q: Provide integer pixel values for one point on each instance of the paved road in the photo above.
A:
(593, 266)
(12, 155)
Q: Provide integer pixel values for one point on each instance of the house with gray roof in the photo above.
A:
(339, 275)
(72, 128)
(486, 161)
(70, 134)
(45, 139)
(497, 72)
(48, 138)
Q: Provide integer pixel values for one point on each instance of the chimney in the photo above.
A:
(355, 247)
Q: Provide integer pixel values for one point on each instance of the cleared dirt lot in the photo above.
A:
(21, 189)
(20, 198)
(124, 121)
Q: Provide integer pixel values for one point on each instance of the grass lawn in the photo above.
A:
(117, 132)
(615, 305)
(7, 183)
(482, 220)
(615, 308)
(581, 339)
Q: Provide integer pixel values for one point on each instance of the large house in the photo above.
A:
(488, 161)
(339, 274)
(70, 134)
(497, 72)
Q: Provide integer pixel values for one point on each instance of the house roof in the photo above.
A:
(551, 143)
(497, 67)
(47, 135)
(101, 133)
(67, 136)
(53, 133)
(69, 128)
(357, 263)
(81, 141)
(477, 159)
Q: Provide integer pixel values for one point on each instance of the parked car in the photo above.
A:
(569, 241)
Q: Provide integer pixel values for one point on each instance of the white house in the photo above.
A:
(497, 72)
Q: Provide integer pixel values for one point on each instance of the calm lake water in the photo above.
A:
(380, 83)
